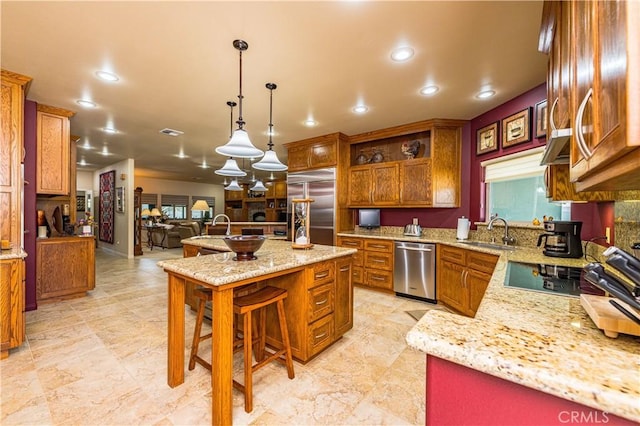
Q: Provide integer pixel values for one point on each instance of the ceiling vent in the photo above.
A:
(171, 132)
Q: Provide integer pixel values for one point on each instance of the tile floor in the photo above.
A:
(101, 360)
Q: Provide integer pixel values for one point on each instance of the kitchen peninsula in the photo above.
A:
(323, 271)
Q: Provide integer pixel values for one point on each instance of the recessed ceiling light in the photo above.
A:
(105, 151)
(85, 103)
(310, 123)
(109, 130)
(181, 155)
(485, 94)
(360, 109)
(107, 76)
(429, 90)
(402, 54)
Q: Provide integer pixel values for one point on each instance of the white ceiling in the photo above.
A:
(178, 68)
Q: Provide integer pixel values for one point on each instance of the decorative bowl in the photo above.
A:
(244, 245)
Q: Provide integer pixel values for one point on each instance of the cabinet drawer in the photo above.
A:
(358, 258)
(378, 260)
(379, 245)
(323, 272)
(379, 279)
(321, 300)
(452, 254)
(482, 262)
(320, 334)
(350, 242)
(357, 274)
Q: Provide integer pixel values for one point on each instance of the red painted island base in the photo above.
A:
(458, 395)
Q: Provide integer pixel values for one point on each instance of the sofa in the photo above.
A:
(174, 232)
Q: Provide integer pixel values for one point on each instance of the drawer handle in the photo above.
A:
(378, 260)
(322, 275)
(349, 243)
(373, 277)
(378, 246)
(320, 336)
(552, 123)
(582, 144)
(322, 302)
(344, 268)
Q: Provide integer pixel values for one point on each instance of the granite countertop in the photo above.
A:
(542, 341)
(13, 253)
(273, 256)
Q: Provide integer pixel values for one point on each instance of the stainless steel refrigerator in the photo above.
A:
(319, 185)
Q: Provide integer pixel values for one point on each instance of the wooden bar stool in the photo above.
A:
(245, 305)
(253, 334)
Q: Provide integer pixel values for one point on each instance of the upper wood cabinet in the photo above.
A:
(53, 151)
(560, 188)
(11, 155)
(603, 71)
(390, 178)
(314, 153)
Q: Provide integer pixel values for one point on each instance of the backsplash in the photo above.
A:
(627, 223)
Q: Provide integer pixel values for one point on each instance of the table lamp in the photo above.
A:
(201, 205)
(156, 213)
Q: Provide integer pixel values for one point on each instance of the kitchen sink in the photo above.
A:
(489, 245)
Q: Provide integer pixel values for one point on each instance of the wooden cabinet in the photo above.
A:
(53, 151)
(246, 205)
(11, 155)
(314, 153)
(560, 187)
(604, 74)
(319, 312)
(65, 267)
(373, 264)
(463, 277)
(432, 179)
(12, 317)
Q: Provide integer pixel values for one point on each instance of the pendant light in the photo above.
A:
(233, 186)
(230, 168)
(239, 145)
(270, 160)
(259, 187)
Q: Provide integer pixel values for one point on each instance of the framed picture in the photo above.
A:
(120, 199)
(541, 119)
(487, 139)
(516, 128)
(80, 203)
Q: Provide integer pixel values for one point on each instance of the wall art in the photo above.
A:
(107, 189)
(487, 139)
(516, 128)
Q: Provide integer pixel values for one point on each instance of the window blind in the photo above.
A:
(149, 198)
(175, 200)
(516, 166)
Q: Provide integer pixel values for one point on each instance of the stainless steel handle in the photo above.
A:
(378, 260)
(320, 336)
(349, 243)
(582, 144)
(466, 275)
(321, 275)
(373, 277)
(322, 302)
(552, 124)
(414, 249)
(345, 268)
(377, 246)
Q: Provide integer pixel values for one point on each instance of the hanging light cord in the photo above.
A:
(240, 121)
(271, 87)
(231, 105)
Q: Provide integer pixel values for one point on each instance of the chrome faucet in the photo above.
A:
(506, 239)
(215, 219)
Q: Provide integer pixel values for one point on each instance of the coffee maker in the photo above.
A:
(562, 239)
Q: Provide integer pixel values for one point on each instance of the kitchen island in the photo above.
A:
(523, 350)
(323, 271)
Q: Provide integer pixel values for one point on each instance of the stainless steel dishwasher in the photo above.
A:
(414, 273)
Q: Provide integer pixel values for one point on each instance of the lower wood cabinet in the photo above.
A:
(373, 264)
(65, 267)
(463, 277)
(12, 318)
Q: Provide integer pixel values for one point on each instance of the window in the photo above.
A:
(174, 206)
(515, 188)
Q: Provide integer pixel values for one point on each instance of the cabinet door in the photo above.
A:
(322, 154)
(343, 312)
(415, 183)
(386, 183)
(559, 76)
(53, 153)
(11, 305)
(360, 186)
(476, 283)
(450, 286)
(280, 189)
(378, 278)
(560, 187)
(65, 267)
(298, 158)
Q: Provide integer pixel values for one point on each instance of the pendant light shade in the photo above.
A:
(233, 186)
(230, 169)
(259, 187)
(270, 161)
(240, 145)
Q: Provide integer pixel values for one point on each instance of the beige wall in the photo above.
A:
(173, 187)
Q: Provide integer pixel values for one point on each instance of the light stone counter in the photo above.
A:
(13, 253)
(273, 256)
(538, 340)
